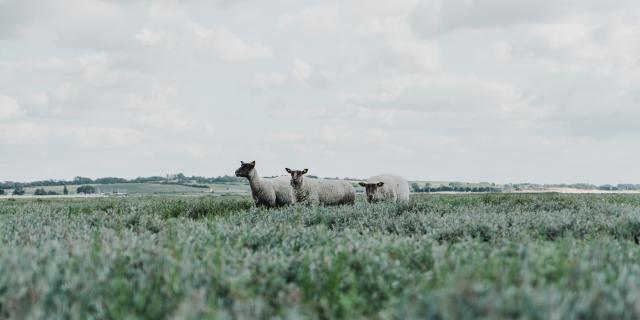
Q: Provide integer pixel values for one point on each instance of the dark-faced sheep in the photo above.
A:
(387, 187)
(317, 191)
(272, 192)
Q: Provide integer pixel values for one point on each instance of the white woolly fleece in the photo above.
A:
(270, 192)
(395, 188)
(326, 192)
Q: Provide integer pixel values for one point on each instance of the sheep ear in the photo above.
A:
(241, 162)
(363, 184)
(380, 184)
(288, 170)
(253, 163)
(305, 171)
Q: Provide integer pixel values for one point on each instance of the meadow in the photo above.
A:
(150, 189)
(536, 256)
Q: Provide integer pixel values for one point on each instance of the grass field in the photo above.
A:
(538, 256)
(150, 188)
(216, 188)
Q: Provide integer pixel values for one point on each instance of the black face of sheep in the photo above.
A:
(296, 176)
(372, 189)
(245, 168)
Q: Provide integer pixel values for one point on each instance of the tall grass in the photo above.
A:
(442, 256)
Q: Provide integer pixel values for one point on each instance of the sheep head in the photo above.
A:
(296, 176)
(245, 168)
(373, 190)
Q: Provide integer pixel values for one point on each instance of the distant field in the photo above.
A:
(148, 188)
(532, 256)
(151, 188)
(243, 188)
(446, 183)
(231, 188)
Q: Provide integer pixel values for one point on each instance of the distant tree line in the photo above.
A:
(86, 189)
(619, 187)
(220, 179)
(202, 182)
(179, 179)
(43, 192)
(18, 191)
(453, 186)
(198, 181)
(581, 186)
(187, 184)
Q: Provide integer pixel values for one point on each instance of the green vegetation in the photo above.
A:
(454, 187)
(18, 191)
(157, 188)
(493, 255)
(181, 184)
(580, 186)
(86, 189)
(179, 179)
(150, 189)
(178, 184)
(43, 192)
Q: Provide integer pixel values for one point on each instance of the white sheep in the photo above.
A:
(272, 192)
(317, 191)
(387, 187)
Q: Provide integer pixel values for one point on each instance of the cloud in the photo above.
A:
(219, 42)
(267, 80)
(401, 46)
(17, 17)
(32, 134)
(469, 90)
(446, 16)
(313, 19)
(302, 71)
(150, 37)
(437, 16)
(9, 107)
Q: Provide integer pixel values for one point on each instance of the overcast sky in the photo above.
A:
(493, 90)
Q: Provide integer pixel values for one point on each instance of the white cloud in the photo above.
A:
(302, 71)
(22, 134)
(267, 80)
(219, 42)
(8, 107)
(150, 37)
(287, 136)
(39, 99)
(39, 135)
(401, 46)
(313, 19)
(474, 90)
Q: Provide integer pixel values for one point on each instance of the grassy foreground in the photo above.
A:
(539, 256)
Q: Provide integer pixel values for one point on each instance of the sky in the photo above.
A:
(543, 91)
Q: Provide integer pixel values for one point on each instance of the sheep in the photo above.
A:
(387, 187)
(273, 192)
(316, 191)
